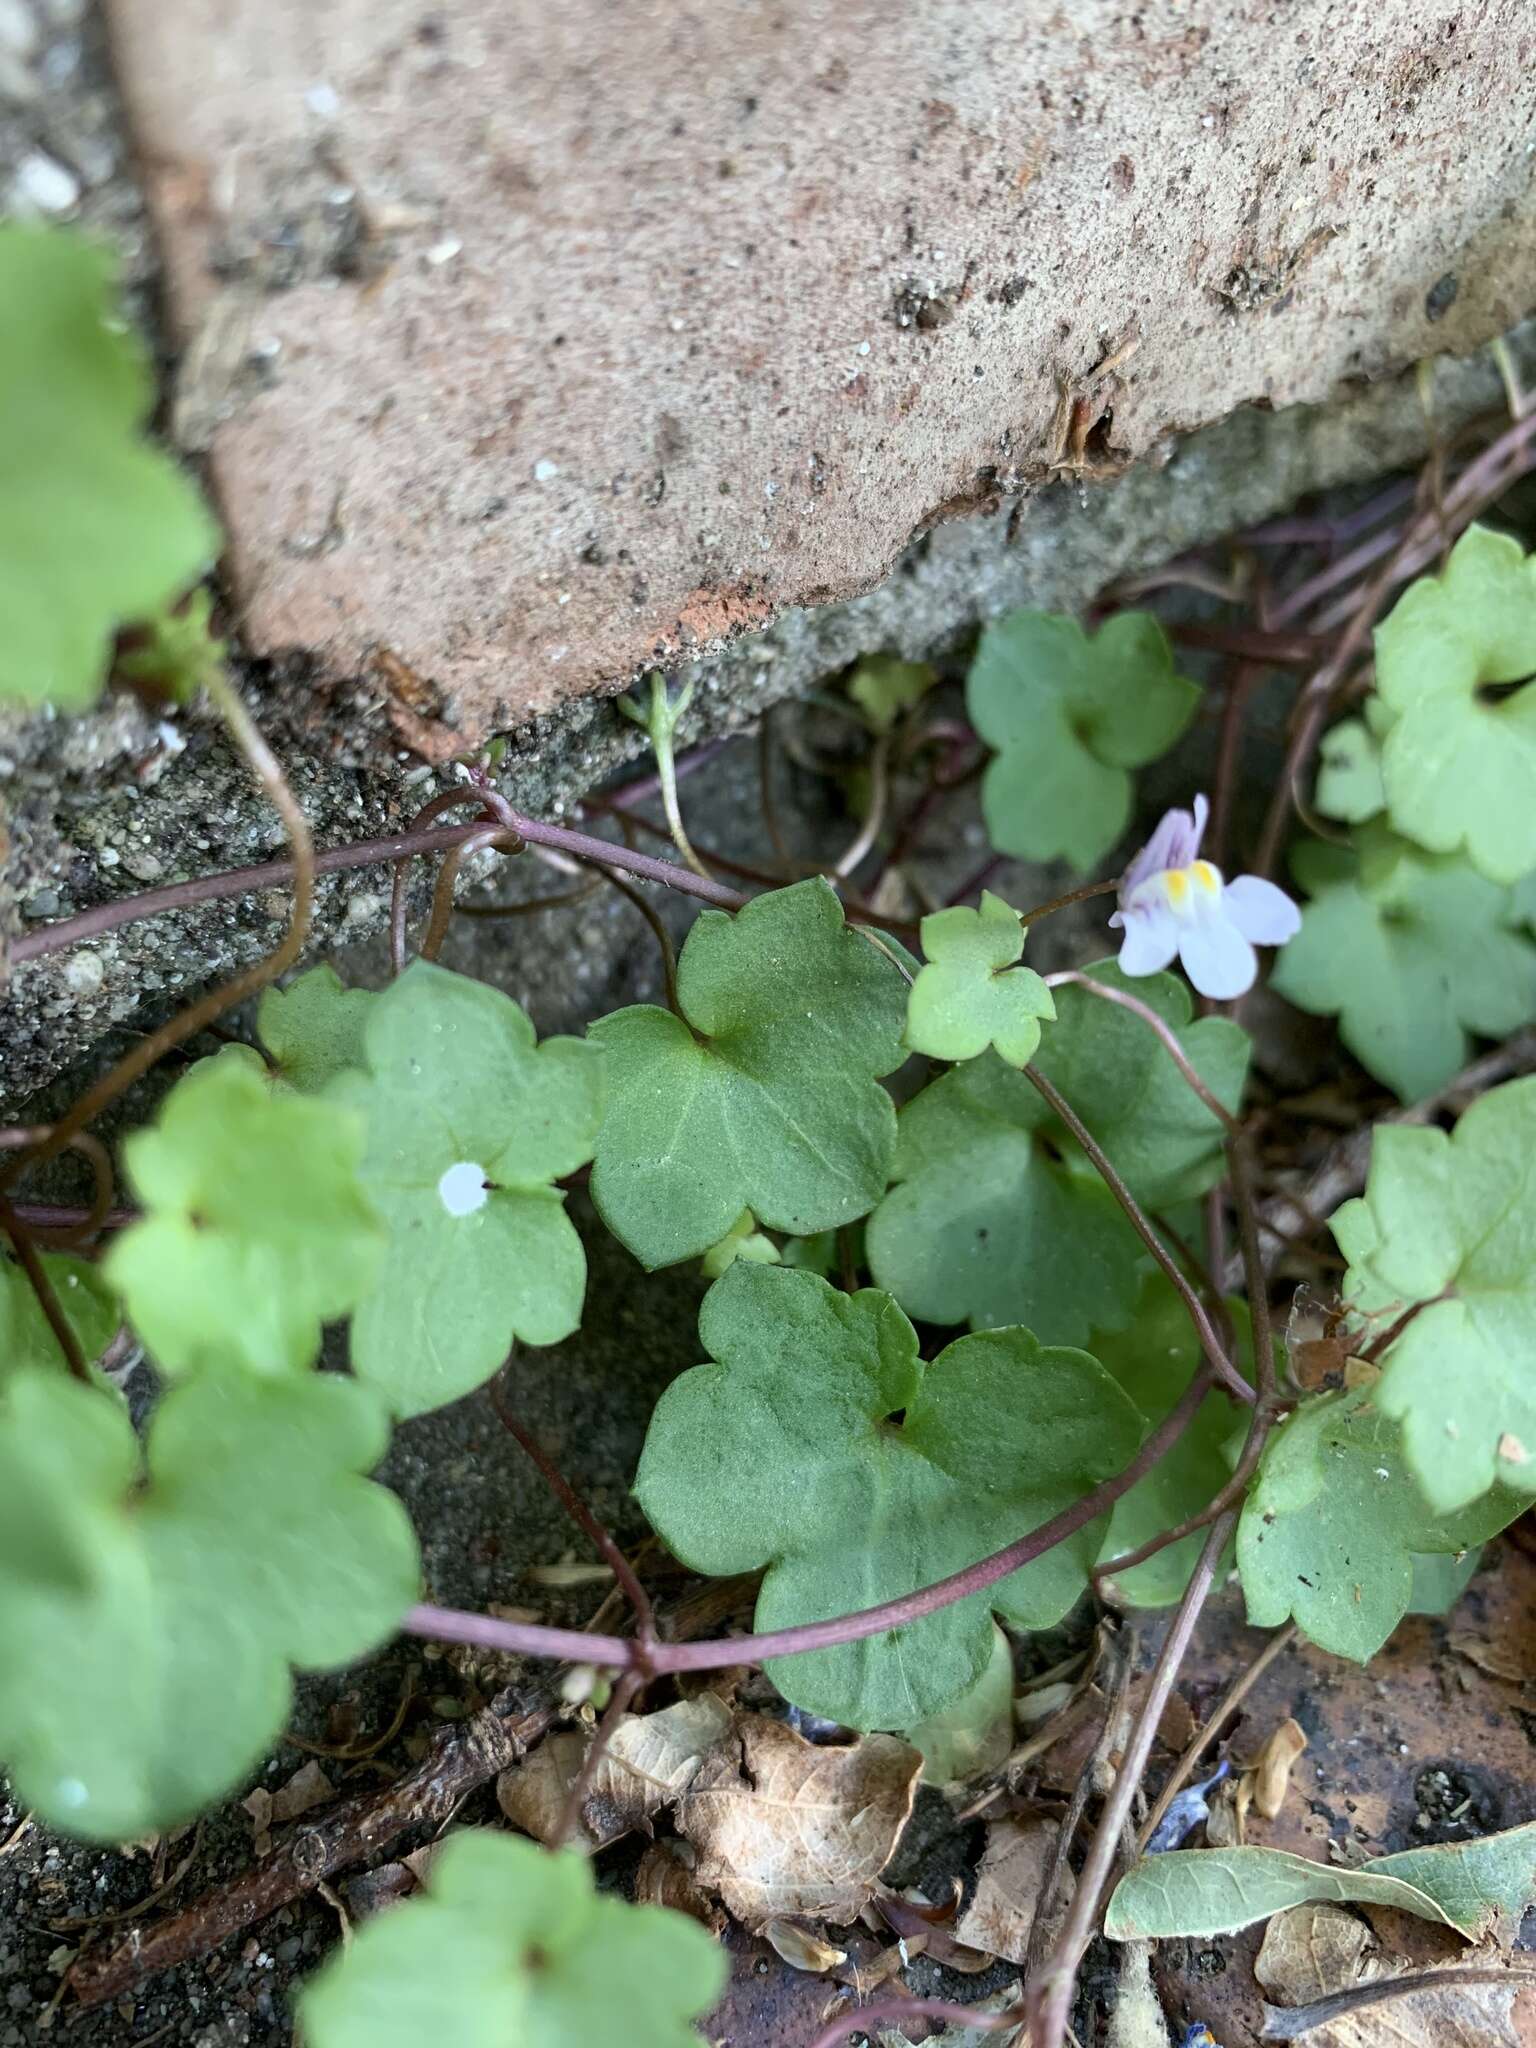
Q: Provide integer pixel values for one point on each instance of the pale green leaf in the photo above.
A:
(742, 1241)
(975, 1734)
(971, 994)
(1067, 716)
(1349, 784)
(469, 1123)
(512, 1945)
(1449, 1221)
(1480, 1888)
(1000, 1218)
(764, 1094)
(1154, 1361)
(771, 1455)
(148, 1623)
(1459, 762)
(1413, 953)
(98, 529)
(256, 1229)
(314, 1028)
(1331, 1525)
(883, 686)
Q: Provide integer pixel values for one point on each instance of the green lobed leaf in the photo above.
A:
(1067, 716)
(1413, 953)
(314, 1029)
(883, 686)
(510, 1944)
(149, 1614)
(1480, 1888)
(256, 1228)
(469, 1123)
(98, 529)
(774, 1453)
(1154, 1362)
(764, 1094)
(1459, 761)
(999, 1217)
(1454, 1216)
(27, 1343)
(1331, 1525)
(971, 994)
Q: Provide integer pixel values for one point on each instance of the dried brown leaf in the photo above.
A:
(1271, 1768)
(664, 1877)
(1008, 1880)
(649, 1761)
(1313, 1953)
(784, 1827)
(309, 1786)
(1226, 1824)
(1514, 1659)
(801, 1948)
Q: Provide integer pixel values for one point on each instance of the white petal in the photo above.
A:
(1260, 911)
(1151, 938)
(1217, 958)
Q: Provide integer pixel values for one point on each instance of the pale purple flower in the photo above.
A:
(1174, 903)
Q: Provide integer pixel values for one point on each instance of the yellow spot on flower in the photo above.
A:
(1176, 882)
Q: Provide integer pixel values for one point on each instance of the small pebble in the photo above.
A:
(84, 973)
(43, 185)
(18, 28)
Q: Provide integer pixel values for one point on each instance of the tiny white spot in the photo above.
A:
(71, 1792)
(1382, 1472)
(863, 348)
(462, 1189)
(321, 99)
(445, 250)
(545, 471)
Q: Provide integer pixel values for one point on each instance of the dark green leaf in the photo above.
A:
(1067, 716)
(766, 1097)
(1333, 1521)
(1000, 1218)
(788, 1453)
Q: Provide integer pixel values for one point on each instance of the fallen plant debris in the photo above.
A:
(1333, 1984)
(782, 1827)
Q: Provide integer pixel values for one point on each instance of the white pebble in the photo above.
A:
(84, 973)
(545, 471)
(43, 185)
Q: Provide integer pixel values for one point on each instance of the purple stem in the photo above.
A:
(528, 1639)
(362, 853)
